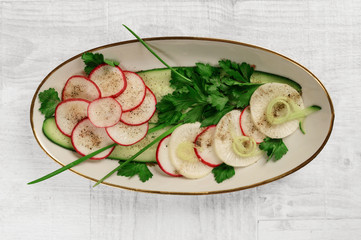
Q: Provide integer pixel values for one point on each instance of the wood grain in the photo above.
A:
(320, 201)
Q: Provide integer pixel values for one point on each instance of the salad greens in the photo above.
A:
(213, 92)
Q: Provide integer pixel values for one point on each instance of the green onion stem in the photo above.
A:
(166, 133)
(72, 164)
(161, 60)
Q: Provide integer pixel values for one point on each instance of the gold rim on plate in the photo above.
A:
(199, 39)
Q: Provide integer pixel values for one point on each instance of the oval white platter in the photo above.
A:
(186, 51)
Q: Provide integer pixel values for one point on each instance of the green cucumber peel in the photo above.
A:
(166, 133)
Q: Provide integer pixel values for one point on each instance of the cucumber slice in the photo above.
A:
(157, 80)
(263, 77)
(125, 152)
(52, 132)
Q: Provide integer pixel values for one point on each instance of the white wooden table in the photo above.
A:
(320, 201)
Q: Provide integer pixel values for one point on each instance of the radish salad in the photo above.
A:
(190, 121)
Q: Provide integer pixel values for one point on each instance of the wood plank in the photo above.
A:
(135, 215)
(328, 229)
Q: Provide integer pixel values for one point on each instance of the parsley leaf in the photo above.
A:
(241, 72)
(223, 172)
(135, 168)
(92, 60)
(274, 148)
(218, 101)
(49, 100)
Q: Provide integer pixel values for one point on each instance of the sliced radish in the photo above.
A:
(134, 93)
(87, 138)
(80, 87)
(110, 80)
(162, 158)
(247, 126)
(68, 113)
(204, 148)
(104, 112)
(126, 135)
(142, 113)
(258, 105)
(227, 131)
(181, 152)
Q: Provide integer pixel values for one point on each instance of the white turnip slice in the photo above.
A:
(228, 133)
(181, 152)
(247, 126)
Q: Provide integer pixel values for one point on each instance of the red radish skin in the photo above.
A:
(119, 138)
(95, 138)
(170, 172)
(134, 93)
(89, 92)
(203, 160)
(257, 135)
(77, 116)
(143, 113)
(104, 112)
(120, 85)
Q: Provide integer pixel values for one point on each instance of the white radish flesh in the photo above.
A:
(181, 152)
(258, 105)
(163, 160)
(87, 138)
(68, 113)
(104, 112)
(134, 93)
(142, 113)
(127, 135)
(226, 131)
(204, 147)
(80, 87)
(110, 80)
(248, 128)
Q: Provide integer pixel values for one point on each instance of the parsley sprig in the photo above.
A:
(214, 91)
(275, 148)
(49, 99)
(92, 60)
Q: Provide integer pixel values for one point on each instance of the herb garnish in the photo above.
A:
(92, 60)
(274, 148)
(223, 172)
(135, 168)
(49, 100)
